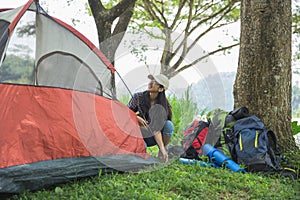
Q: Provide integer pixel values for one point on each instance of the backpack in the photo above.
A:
(194, 138)
(254, 146)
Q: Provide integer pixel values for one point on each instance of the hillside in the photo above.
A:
(215, 91)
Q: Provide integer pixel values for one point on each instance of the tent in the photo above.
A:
(59, 120)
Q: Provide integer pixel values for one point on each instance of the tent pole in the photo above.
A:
(19, 15)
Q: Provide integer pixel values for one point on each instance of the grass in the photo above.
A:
(174, 180)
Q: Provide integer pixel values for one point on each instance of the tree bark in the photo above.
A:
(263, 80)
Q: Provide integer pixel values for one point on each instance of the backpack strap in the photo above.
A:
(274, 140)
(276, 157)
(228, 135)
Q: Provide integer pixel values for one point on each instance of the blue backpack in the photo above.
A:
(254, 146)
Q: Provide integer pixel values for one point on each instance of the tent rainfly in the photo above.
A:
(59, 120)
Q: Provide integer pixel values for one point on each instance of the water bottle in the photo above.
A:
(194, 162)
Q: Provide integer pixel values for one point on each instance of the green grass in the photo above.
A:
(173, 181)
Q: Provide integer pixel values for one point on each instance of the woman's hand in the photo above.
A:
(141, 121)
(164, 154)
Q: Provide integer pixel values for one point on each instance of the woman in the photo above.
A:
(154, 114)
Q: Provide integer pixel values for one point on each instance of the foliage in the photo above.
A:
(26, 30)
(175, 181)
(124, 99)
(180, 25)
(296, 16)
(184, 111)
(296, 27)
(295, 127)
(17, 69)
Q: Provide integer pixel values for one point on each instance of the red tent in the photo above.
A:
(58, 117)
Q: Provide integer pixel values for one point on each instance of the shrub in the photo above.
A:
(295, 127)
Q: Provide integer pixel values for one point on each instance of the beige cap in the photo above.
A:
(161, 79)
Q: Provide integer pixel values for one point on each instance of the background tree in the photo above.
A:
(17, 69)
(263, 80)
(296, 100)
(107, 15)
(178, 22)
(110, 36)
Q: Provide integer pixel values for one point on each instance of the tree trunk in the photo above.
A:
(263, 80)
(109, 37)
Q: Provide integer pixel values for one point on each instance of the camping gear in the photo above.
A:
(224, 122)
(254, 146)
(59, 119)
(216, 159)
(234, 115)
(216, 119)
(194, 139)
(219, 158)
(240, 113)
(230, 124)
(199, 162)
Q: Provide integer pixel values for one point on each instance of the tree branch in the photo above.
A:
(122, 25)
(150, 7)
(96, 5)
(209, 29)
(181, 5)
(203, 57)
(183, 43)
(121, 7)
(228, 7)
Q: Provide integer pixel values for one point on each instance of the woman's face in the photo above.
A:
(153, 86)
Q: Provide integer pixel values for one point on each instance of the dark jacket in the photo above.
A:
(140, 102)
